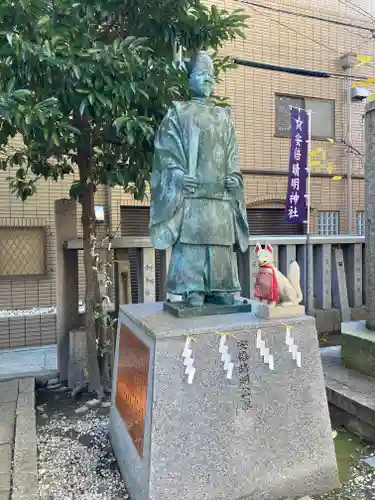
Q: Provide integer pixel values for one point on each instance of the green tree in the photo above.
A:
(86, 84)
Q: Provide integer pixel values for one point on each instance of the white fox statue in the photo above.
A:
(271, 286)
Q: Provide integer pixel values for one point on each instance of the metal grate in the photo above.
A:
(271, 221)
(22, 251)
(360, 223)
(328, 223)
(134, 222)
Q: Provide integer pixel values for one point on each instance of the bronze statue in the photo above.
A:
(197, 199)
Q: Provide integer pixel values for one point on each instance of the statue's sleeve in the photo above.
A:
(233, 170)
(169, 167)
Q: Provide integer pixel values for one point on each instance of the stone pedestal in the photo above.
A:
(262, 434)
(78, 362)
(266, 311)
(358, 347)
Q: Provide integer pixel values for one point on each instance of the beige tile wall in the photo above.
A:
(290, 40)
(24, 293)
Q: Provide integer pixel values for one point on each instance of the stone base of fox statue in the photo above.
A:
(224, 407)
(267, 311)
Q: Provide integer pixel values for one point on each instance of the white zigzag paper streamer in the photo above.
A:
(293, 348)
(264, 351)
(187, 354)
(225, 357)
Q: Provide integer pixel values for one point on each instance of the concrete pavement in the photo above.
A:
(18, 441)
(28, 362)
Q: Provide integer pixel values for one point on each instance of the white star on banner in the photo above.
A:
(299, 123)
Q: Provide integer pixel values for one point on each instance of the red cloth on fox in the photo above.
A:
(266, 287)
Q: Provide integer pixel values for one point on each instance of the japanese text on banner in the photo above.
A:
(296, 202)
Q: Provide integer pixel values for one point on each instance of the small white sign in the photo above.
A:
(191, 375)
(230, 371)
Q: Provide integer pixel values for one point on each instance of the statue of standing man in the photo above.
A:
(197, 199)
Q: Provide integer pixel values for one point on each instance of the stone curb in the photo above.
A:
(25, 469)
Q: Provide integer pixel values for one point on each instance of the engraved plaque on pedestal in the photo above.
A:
(131, 386)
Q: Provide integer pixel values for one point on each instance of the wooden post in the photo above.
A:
(275, 253)
(287, 254)
(165, 259)
(147, 278)
(323, 276)
(339, 285)
(355, 277)
(301, 259)
(67, 315)
(243, 271)
(253, 269)
(122, 278)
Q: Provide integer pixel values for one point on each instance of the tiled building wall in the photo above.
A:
(289, 39)
(283, 37)
(27, 292)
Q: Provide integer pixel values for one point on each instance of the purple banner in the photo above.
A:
(296, 202)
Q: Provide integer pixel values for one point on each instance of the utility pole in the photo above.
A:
(370, 213)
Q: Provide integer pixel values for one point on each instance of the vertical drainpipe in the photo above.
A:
(348, 62)
(350, 156)
(108, 199)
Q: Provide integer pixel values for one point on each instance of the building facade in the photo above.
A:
(285, 39)
(286, 42)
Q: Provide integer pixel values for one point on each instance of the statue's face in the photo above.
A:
(202, 78)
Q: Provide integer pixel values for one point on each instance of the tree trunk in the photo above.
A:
(102, 276)
(88, 226)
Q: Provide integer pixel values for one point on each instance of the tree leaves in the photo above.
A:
(109, 62)
(22, 94)
(43, 20)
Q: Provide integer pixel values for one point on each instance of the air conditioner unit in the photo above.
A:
(358, 93)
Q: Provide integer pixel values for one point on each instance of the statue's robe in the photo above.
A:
(202, 227)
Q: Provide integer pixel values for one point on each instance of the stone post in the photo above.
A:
(370, 213)
(147, 277)
(122, 278)
(67, 315)
(358, 341)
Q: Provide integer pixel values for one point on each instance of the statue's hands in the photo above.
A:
(231, 183)
(190, 184)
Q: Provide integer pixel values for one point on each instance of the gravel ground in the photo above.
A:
(357, 477)
(76, 461)
(35, 311)
(361, 485)
(75, 458)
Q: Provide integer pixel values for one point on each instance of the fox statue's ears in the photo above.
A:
(258, 248)
(269, 248)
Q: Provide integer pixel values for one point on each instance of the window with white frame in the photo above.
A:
(323, 115)
(360, 223)
(327, 223)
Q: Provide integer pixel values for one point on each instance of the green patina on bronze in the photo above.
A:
(197, 197)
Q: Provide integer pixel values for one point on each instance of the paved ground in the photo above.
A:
(8, 404)
(30, 361)
(18, 452)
